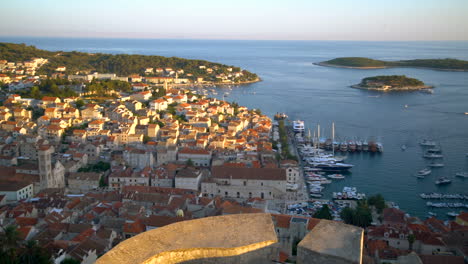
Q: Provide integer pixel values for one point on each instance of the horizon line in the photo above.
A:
(224, 39)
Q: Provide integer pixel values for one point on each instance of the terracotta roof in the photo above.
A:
(135, 227)
(24, 232)
(282, 221)
(393, 215)
(26, 221)
(463, 216)
(312, 223)
(223, 172)
(194, 151)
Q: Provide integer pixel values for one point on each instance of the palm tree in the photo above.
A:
(33, 254)
(9, 241)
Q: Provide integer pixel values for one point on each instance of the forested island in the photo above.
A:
(387, 83)
(367, 63)
(73, 63)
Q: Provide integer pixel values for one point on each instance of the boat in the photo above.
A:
(403, 147)
(336, 176)
(432, 214)
(352, 146)
(365, 146)
(443, 181)
(359, 145)
(435, 150)
(452, 214)
(436, 165)
(433, 156)
(316, 195)
(344, 146)
(424, 172)
(332, 167)
(427, 143)
(298, 126)
(463, 174)
(379, 147)
(372, 146)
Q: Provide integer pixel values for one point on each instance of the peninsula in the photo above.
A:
(367, 63)
(387, 83)
(158, 69)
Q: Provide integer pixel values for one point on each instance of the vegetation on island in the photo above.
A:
(120, 64)
(393, 81)
(361, 62)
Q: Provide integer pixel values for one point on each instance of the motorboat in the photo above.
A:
(379, 147)
(298, 126)
(331, 166)
(359, 145)
(336, 176)
(352, 146)
(434, 150)
(433, 156)
(432, 214)
(403, 147)
(463, 174)
(424, 172)
(343, 146)
(427, 143)
(443, 181)
(436, 165)
(365, 146)
(452, 214)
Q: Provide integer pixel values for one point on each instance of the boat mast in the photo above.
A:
(333, 138)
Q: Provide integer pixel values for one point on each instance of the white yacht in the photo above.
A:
(424, 172)
(298, 126)
(427, 143)
(463, 174)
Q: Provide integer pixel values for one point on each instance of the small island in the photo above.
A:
(388, 83)
(367, 63)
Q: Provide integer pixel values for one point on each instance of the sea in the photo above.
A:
(292, 84)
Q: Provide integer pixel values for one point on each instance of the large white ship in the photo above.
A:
(298, 126)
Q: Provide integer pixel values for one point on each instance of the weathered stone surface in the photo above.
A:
(211, 237)
(331, 242)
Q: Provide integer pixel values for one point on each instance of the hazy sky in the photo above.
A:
(238, 19)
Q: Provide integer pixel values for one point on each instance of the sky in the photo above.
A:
(373, 20)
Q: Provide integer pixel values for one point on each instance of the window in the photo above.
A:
(226, 194)
(262, 195)
(238, 195)
(245, 183)
(261, 183)
(250, 195)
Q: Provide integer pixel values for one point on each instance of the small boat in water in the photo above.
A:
(433, 156)
(463, 174)
(427, 143)
(443, 181)
(336, 176)
(436, 165)
(403, 147)
(452, 214)
(432, 214)
(424, 172)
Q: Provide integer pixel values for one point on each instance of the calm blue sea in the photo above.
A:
(320, 95)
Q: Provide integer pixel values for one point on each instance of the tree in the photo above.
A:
(323, 213)
(70, 261)
(189, 163)
(9, 242)
(102, 182)
(79, 103)
(411, 239)
(33, 254)
(361, 216)
(378, 202)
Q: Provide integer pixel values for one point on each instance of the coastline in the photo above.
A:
(386, 67)
(349, 67)
(400, 89)
(211, 84)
